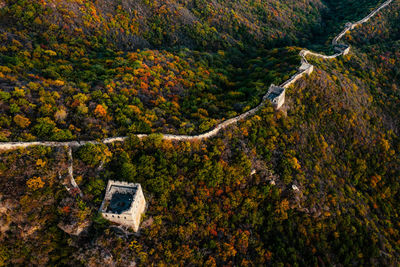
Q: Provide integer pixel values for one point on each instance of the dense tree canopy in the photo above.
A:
(315, 184)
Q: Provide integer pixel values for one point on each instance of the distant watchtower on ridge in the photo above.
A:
(123, 203)
(276, 95)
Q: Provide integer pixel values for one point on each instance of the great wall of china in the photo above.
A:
(305, 68)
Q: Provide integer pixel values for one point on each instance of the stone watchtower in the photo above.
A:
(123, 203)
(276, 95)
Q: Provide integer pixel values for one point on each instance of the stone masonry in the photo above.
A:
(276, 95)
(123, 203)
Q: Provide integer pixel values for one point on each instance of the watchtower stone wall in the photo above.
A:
(123, 203)
(276, 95)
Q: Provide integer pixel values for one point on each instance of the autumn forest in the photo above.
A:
(315, 183)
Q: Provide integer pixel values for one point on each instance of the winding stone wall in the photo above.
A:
(304, 69)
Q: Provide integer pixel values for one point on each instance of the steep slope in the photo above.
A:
(195, 24)
(204, 25)
(336, 14)
(63, 77)
(50, 96)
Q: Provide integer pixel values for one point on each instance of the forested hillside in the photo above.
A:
(315, 184)
(144, 24)
(138, 92)
(71, 69)
(337, 13)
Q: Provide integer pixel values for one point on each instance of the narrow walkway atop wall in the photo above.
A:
(304, 69)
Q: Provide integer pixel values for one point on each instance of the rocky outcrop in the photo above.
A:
(6, 205)
(74, 228)
(73, 221)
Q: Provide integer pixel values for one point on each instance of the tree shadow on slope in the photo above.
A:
(336, 16)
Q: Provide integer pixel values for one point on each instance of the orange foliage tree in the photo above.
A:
(21, 121)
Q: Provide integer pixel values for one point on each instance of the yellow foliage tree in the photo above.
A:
(21, 121)
(35, 183)
(40, 163)
(295, 163)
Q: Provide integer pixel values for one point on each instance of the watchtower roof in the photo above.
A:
(274, 91)
(120, 202)
(119, 197)
(273, 95)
